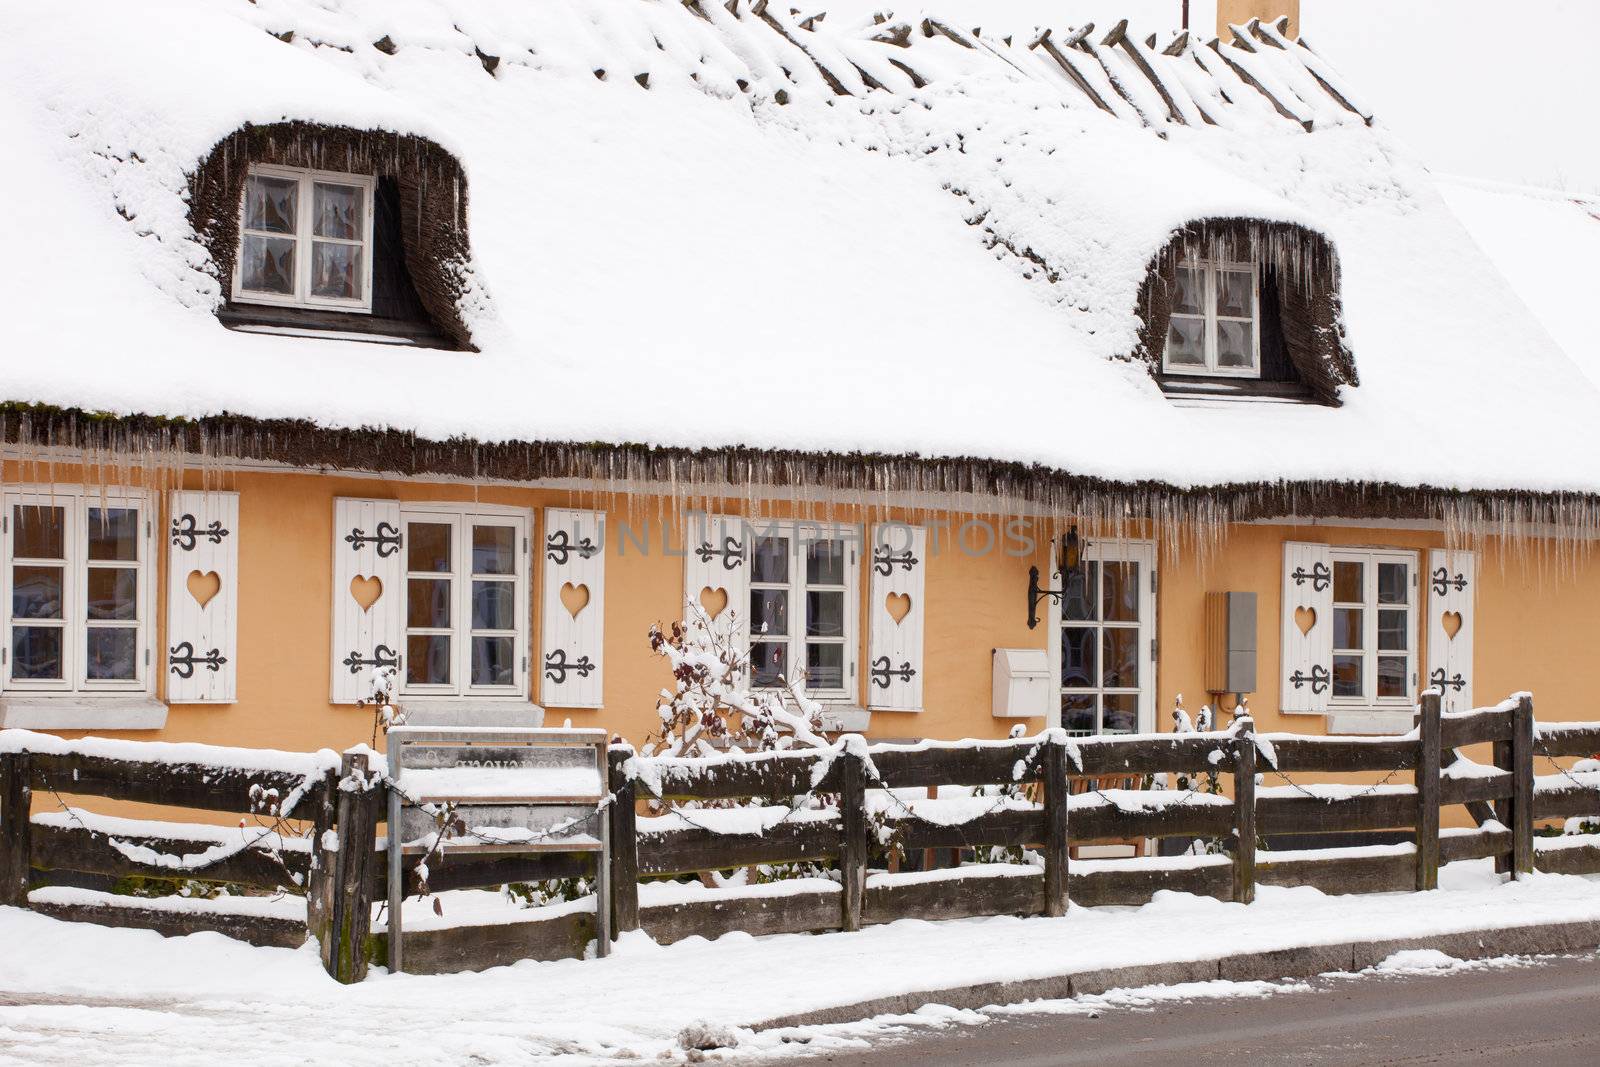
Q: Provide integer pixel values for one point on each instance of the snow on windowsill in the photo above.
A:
(78, 711)
(1370, 720)
(471, 711)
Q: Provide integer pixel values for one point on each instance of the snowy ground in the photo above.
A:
(75, 994)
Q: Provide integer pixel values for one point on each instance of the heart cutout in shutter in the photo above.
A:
(1451, 621)
(898, 605)
(203, 586)
(574, 598)
(713, 600)
(1305, 618)
(366, 590)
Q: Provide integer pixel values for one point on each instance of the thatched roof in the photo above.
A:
(720, 230)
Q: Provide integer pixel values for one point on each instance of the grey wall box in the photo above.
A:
(1231, 648)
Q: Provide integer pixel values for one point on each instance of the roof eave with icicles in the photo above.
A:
(1173, 79)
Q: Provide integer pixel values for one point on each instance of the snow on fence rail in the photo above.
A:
(859, 799)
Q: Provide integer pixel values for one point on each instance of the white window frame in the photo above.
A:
(76, 502)
(1210, 268)
(461, 518)
(800, 533)
(1370, 558)
(1111, 550)
(303, 238)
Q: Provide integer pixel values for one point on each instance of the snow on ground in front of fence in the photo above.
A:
(75, 993)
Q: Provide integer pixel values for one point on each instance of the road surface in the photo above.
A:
(1531, 1016)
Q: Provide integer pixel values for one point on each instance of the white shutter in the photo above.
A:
(895, 613)
(369, 594)
(572, 633)
(1452, 583)
(1307, 659)
(203, 598)
(717, 568)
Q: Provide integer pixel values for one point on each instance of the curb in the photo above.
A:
(1303, 961)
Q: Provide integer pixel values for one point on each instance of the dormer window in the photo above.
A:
(1215, 324)
(305, 240)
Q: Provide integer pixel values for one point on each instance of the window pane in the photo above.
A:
(428, 659)
(1393, 583)
(494, 550)
(428, 602)
(269, 204)
(494, 605)
(1079, 655)
(113, 593)
(825, 562)
(1120, 592)
(36, 592)
(1235, 296)
(1349, 586)
(41, 532)
(1347, 676)
(336, 211)
(1189, 297)
(111, 653)
(114, 533)
(1235, 344)
(1121, 713)
(1081, 600)
(493, 661)
(428, 547)
(1077, 713)
(1347, 628)
(1186, 342)
(824, 666)
(336, 271)
(825, 613)
(769, 662)
(1392, 676)
(36, 652)
(769, 612)
(1392, 631)
(770, 560)
(1121, 663)
(266, 265)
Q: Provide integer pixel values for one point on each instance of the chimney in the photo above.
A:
(1239, 12)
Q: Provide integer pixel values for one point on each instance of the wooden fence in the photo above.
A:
(845, 810)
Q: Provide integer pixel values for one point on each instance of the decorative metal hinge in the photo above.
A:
(1442, 582)
(882, 672)
(186, 531)
(387, 539)
(559, 547)
(382, 656)
(1439, 678)
(1319, 678)
(1319, 576)
(557, 666)
(732, 552)
(182, 661)
(885, 561)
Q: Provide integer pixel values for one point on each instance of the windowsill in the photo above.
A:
(844, 718)
(471, 711)
(1370, 721)
(81, 711)
(331, 324)
(1222, 389)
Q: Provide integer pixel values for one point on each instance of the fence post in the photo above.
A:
(353, 870)
(16, 809)
(1426, 777)
(624, 841)
(1522, 787)
(1054, 770)
(853, 820)
(1244, 811)
(319, 881)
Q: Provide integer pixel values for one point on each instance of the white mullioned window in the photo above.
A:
(803, 606)
(1216, 326)
(466, 600)
(1374, 627)
(305, 239)
(79, 590)
(1103, 639)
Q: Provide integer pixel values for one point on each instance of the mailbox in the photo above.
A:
(1022, 687)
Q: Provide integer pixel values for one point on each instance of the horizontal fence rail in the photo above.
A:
(312, 828)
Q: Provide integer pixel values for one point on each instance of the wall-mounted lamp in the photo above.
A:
(1068, 556)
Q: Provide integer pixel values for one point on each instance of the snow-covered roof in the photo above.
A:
(713, 225)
